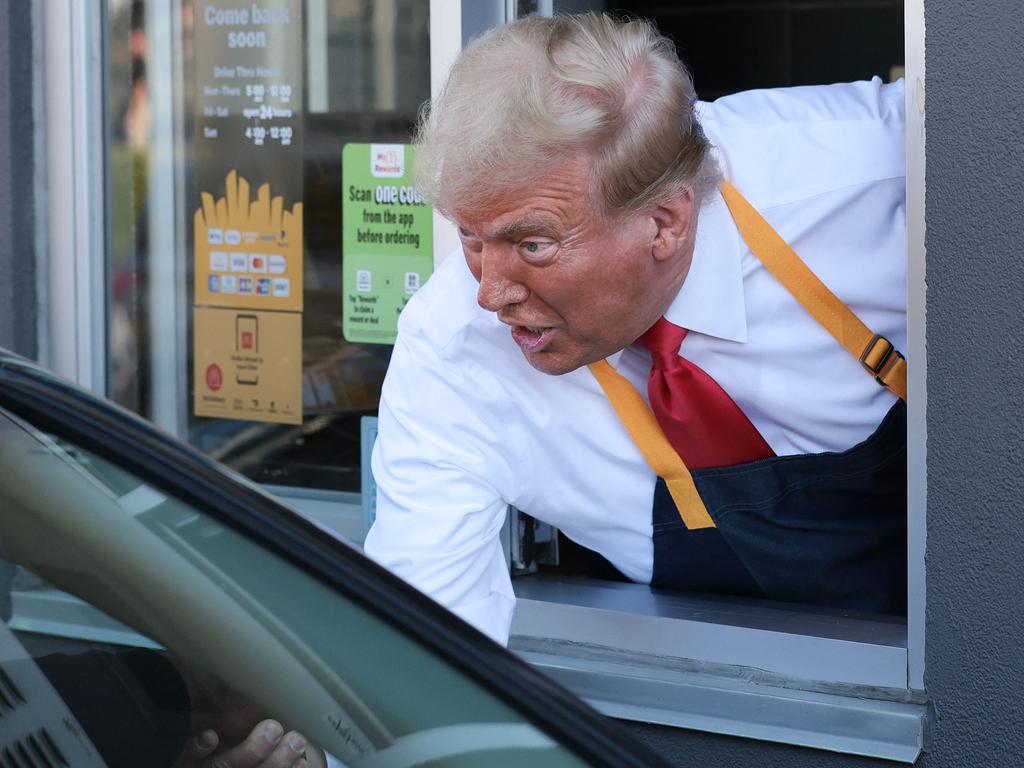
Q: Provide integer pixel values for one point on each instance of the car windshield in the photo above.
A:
(133, 621)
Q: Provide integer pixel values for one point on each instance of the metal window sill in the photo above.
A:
(808, 677)
(338, 511)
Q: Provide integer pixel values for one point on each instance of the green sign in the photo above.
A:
(387, 239)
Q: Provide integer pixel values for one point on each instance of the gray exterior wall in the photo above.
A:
(975, 272)
(975, 553)
(18, 300)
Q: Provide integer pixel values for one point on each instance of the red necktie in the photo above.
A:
(700, 420)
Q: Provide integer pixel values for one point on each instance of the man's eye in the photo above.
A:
(535, 247)
(465, 232)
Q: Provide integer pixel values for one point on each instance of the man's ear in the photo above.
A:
(674, 222)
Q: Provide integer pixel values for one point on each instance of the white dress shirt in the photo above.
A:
(467, 427)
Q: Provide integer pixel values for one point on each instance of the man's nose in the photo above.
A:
(499, 286)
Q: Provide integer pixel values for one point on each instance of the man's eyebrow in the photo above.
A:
(530, 224)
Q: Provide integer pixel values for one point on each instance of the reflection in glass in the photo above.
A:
(162, 622)
(128, 136)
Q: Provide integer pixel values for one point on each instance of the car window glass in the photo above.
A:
(225, 633)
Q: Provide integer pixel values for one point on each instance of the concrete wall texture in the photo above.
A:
(975, 554)
(17, 216)
(975, 273)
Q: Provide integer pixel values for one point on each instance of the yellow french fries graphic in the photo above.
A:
(261, 225)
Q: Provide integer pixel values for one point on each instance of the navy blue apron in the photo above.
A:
(825, 528)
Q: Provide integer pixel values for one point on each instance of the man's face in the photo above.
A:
(572, 285)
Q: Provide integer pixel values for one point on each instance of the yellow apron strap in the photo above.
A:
(642, 426)
(876, 353)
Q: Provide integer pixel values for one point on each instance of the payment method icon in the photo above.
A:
(277, 264)
(214, 283)
(239, 262)
(218, 261)
(228, 284)
(257, 262)
(245, 286)
(281, 287)
(262, 286)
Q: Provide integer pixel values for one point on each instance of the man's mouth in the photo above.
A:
(531, 338)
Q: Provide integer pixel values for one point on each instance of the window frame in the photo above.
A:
(77, 350)
(582, 642)
(917, 351)
(74, 160)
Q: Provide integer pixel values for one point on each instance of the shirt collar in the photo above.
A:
(710, 300)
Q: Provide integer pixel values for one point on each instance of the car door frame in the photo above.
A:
(119, 436)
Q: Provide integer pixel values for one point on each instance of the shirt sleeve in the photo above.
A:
(443, 469)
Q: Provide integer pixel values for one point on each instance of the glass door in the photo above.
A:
(263, 229)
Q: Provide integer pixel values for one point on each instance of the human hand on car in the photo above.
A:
(267, 745)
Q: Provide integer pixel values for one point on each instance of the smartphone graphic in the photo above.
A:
(247, 340)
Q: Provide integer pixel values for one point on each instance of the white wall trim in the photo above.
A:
(917, 395)
(76, 235)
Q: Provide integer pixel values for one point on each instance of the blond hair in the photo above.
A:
(526, 97)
